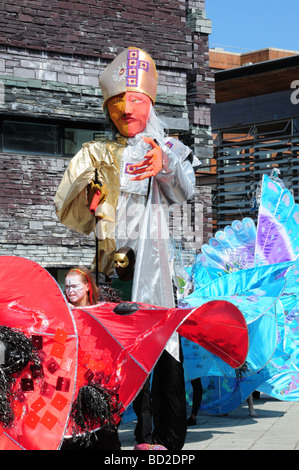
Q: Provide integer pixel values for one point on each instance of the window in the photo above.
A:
(47, 138)
(32, 138)
(74, 138)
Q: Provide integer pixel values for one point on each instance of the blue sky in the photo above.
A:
(254, 24)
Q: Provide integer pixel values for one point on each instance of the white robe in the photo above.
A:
(141, 218)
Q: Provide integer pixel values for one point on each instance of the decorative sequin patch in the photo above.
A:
(129, 168)
(32, 419)
(60, 336)
(120, 73)
(27, 385)
(47, 390)
(59, 401)
(38, 404)
(169, 144)
(63, 384)
(49, 420)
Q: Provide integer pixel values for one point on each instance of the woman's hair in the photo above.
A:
(87, 278)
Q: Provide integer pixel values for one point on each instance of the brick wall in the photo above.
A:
(28, 223)
(29, 226)
(200, 81)
(55, 86)
(72, 41)
(99, 28)
(51, 56)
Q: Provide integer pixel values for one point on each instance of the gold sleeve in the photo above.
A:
(71, 200)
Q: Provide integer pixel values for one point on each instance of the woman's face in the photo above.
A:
(76, 290)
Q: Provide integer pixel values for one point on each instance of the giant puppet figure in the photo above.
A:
(141, 173)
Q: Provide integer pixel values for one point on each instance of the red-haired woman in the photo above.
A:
(92, 402)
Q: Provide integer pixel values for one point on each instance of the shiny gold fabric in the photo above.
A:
(71, 200)
(106, 250)
(132, 70)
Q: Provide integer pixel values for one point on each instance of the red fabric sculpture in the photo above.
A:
(115, 344)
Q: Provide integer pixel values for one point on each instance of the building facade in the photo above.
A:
(51, 57)
(255, 123)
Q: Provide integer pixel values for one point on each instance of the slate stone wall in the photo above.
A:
(51, 56)
(100, 28)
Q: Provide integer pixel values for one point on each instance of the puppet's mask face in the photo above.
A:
(129, 112)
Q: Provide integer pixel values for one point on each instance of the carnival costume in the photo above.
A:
(139, 209)
(134, 213)
(66, 373)
(255, 266)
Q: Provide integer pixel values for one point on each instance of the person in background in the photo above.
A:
(124, 262)
(82, 291)
(80, 287)
(197, 396)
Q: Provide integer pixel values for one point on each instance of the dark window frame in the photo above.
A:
(61, 134)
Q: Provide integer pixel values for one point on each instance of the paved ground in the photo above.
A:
(275, 428)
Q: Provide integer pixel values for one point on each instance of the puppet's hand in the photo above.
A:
(151, 165)
(101, 191)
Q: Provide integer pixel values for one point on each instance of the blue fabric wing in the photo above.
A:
(231, 248)
(277, 238)
(242, 248)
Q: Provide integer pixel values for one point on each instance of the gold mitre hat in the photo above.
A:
(132, 70)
